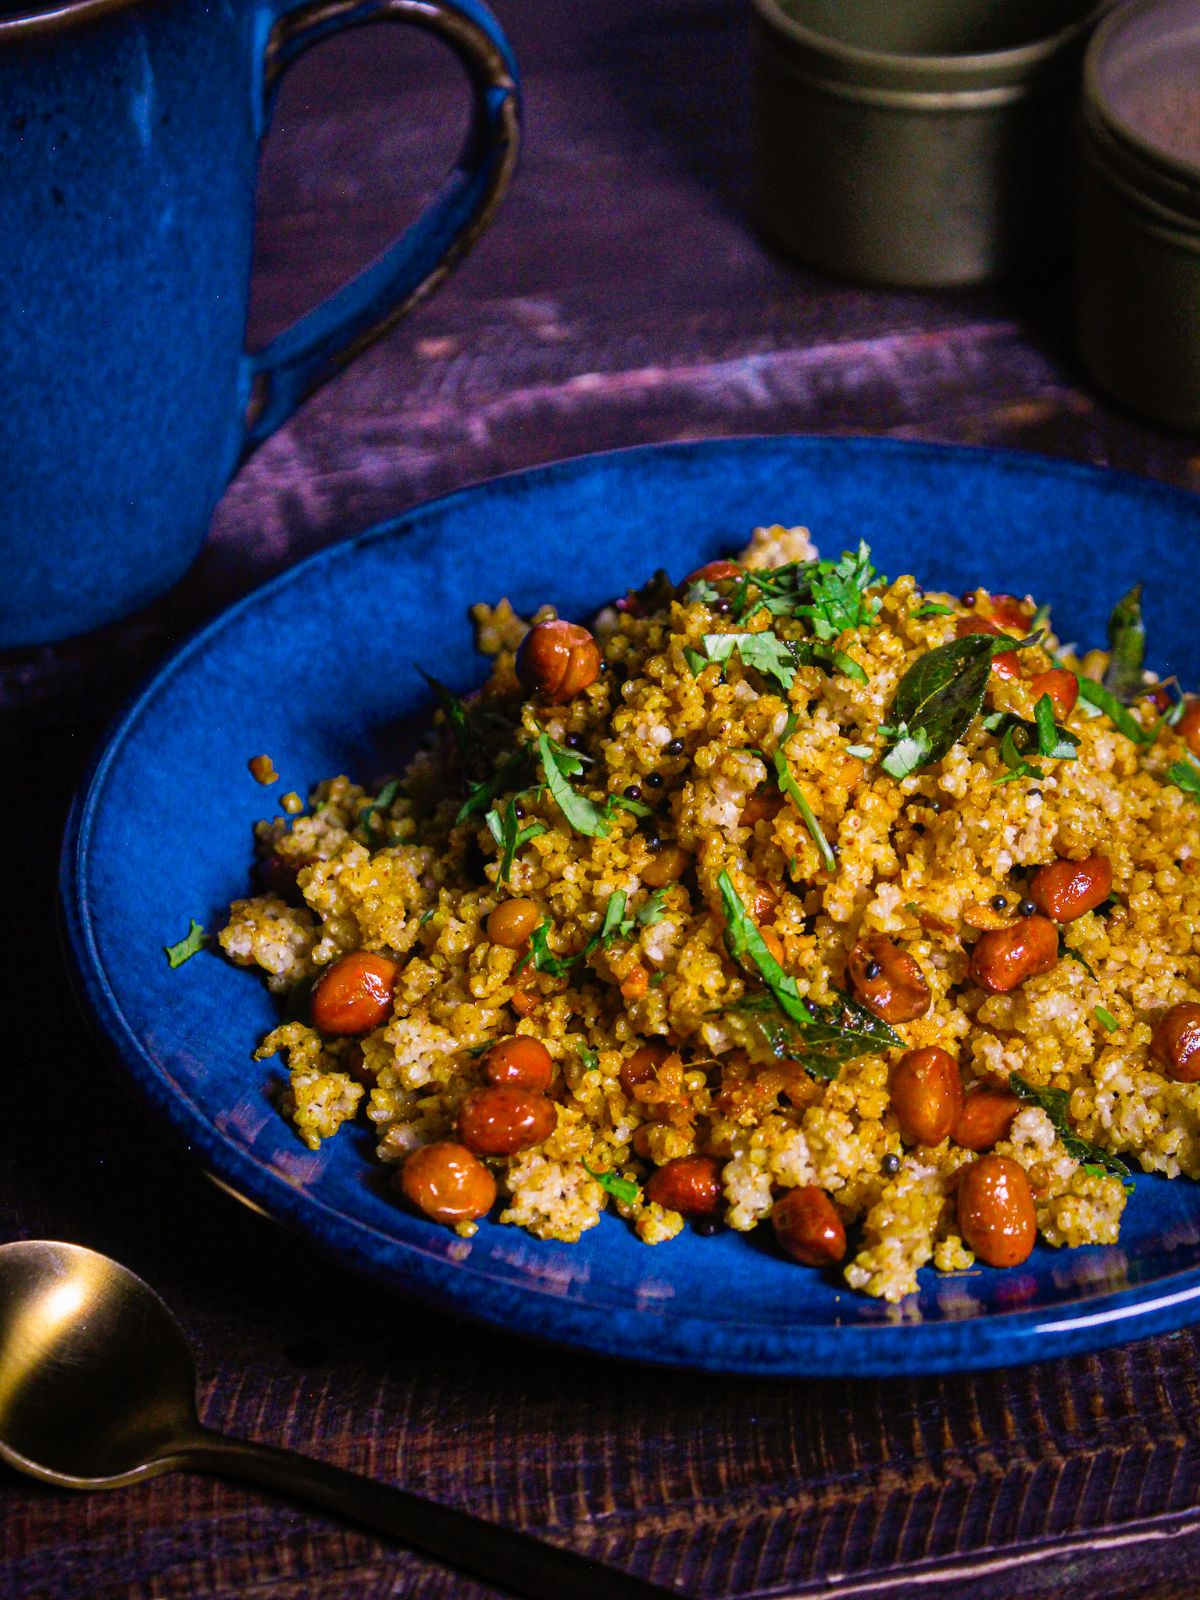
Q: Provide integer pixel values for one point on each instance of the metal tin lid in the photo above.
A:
(1142, 106)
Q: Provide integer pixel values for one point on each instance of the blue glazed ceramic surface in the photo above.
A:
(318, 670)
(129, 141)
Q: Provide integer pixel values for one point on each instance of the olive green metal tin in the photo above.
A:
(1137, 266)
(916, 143)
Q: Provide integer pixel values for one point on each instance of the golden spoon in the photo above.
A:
(98, 1390)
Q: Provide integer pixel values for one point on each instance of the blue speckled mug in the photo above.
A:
(129, 135)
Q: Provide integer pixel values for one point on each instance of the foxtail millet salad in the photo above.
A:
(788, 895)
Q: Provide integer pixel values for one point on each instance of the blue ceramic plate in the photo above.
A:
(318, 670)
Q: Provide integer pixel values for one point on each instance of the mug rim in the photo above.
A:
(52, 14)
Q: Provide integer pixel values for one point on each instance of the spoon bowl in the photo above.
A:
(98, 1390)
(97, 1382)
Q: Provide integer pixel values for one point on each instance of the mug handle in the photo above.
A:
(277, 378)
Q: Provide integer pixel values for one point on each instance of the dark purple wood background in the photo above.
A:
(622, 296)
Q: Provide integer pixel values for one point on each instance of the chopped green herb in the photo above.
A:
(513, 772)
(613, 923)
(380, 803)
(1013, 758)
(696, 662)
(849, 667)
(1040, 621)
(1055, 743)
(1123, 676)
(1185, 775)
(934, 608)
(504, 827)
(765, 652)
(1105, 1018)
(583, 814)
(190, 945)
(654, 910)
(909, 750)
(543, 957)
(425, 916)
(1054, 1102)
(622, 802)
(623, 1189)
(1095, 694)
(452, 707)
(839, 594)
(1064, 950)
(656, 978)
(480, 1049)
(748, 949)
(589, 1057)
(789, 787)
(864, 752)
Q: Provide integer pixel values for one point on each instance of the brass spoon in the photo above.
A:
(97, 1390)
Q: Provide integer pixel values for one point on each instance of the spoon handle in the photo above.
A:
(502, 1556)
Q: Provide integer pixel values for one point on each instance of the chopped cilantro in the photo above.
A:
(190, 945)
(622, 802)
(695, 660)
(934, 608)
(654, 910)
(839, 594)
(512, 773)
(380, 803)
(909, 750)
(584, 815)
(1064, 949)
(1185, 775)
(848, 667)
(789, 787)
(623, 1189)
(765, 652)
(863, 752)
(1095, 694)
(504, 828)
(1105, 1018)
(1123, 676)
(1055, 743)
(542, 956)
(589, 1057)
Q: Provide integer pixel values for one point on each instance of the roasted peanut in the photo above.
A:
(996, 1215)
(1188, 726)
(926, 1091)
(502, 1119)
(690, 1185)
(1061, 685)
(1175, 1043)
(887, 980)
(760, 807)
(556, 660)
(521, 1062)
(808, 1227)
(512, 922)
(355, 994)
(666, 866)
(986, 1117)
(1065, 890)
(642, 1065)
(525, 1002)
(764, 900)
(1004, 958)
(448, 1183)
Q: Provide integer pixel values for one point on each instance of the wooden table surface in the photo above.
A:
(621, 297)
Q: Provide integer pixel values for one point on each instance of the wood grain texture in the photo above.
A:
(622, 297)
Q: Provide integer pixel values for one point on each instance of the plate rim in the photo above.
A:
(996, 1339)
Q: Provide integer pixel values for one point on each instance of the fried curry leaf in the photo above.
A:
(836, 1034)
(765, 652)
(819, 1037)
(942, 693)
(1123, 676)
(189, 946)
(1054, 1103)
(584, 815)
